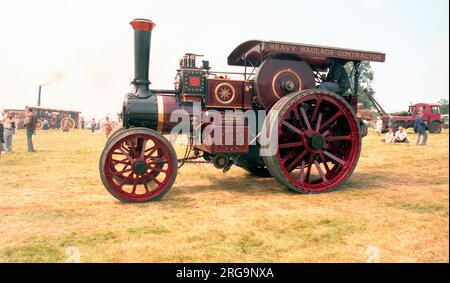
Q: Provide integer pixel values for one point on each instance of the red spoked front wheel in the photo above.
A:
(317, 140)
(138, 165)
(119, 174)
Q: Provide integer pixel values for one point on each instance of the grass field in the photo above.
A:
(397, 200)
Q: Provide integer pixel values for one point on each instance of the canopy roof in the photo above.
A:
(314, 54)
(52, 109)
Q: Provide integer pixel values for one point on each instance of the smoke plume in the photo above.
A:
(55, 78)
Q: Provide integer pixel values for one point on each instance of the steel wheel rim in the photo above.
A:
(313, 168)
(121, 167)
(68, 121)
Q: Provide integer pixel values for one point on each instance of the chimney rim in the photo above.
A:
(142, 24)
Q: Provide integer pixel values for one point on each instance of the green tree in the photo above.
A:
(444, 105)
(365, 81)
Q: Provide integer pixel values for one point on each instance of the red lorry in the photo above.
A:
(431, 116)
(407, 119)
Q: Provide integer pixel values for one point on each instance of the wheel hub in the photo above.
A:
(140, 167)
(316, 142)
(288, 85)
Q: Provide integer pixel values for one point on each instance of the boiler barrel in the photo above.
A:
(167, 104)
(153, 112)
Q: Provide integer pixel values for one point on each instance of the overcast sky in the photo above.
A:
(84, 49)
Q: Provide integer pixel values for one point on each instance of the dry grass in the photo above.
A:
(396, 200)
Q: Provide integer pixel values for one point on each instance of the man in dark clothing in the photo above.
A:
(421, 129)
(337, 79)
(30, 125)
(1, 137)
(93, 125)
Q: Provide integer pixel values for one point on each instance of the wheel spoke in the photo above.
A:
(150, 148)
(133, 151)
(327, 132)
(151, 152)
(286, 134)
(334, 157)
(290, 145)
(308, 171)
(293, 128)
(308, 125)
(144, 145)
(287, 157)
(124, 180)
(335, 116)
(319, 120)
(133, 192)
(157, 169)
(297, 117)
(324, 161)
(316, 110)
(147, 190)
(158, 160)
(302, 172)
(296, 160)
(123, 168)
(339, 138)
(124, 152)
(123, 161)
(319, 169)
(122, 172)
(113, 168)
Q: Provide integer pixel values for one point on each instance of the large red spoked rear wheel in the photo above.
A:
(317, 138)
(138, 165)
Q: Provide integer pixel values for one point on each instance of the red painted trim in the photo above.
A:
(142, 24)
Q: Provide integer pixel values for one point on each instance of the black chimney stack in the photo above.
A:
(39, 96)
(142, 37)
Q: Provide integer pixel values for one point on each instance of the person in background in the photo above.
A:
(8, 131)
(1, 136)
(389, 136)
(401, 136)
(107, 127)
(45, 125)
(82, 123)
(379, 126)
(421, 129)
(391, 122)
(93, 124)
(30, 125)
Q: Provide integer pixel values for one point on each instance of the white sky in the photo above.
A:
(87, 46)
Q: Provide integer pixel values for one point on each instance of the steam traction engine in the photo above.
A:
(316, 133)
